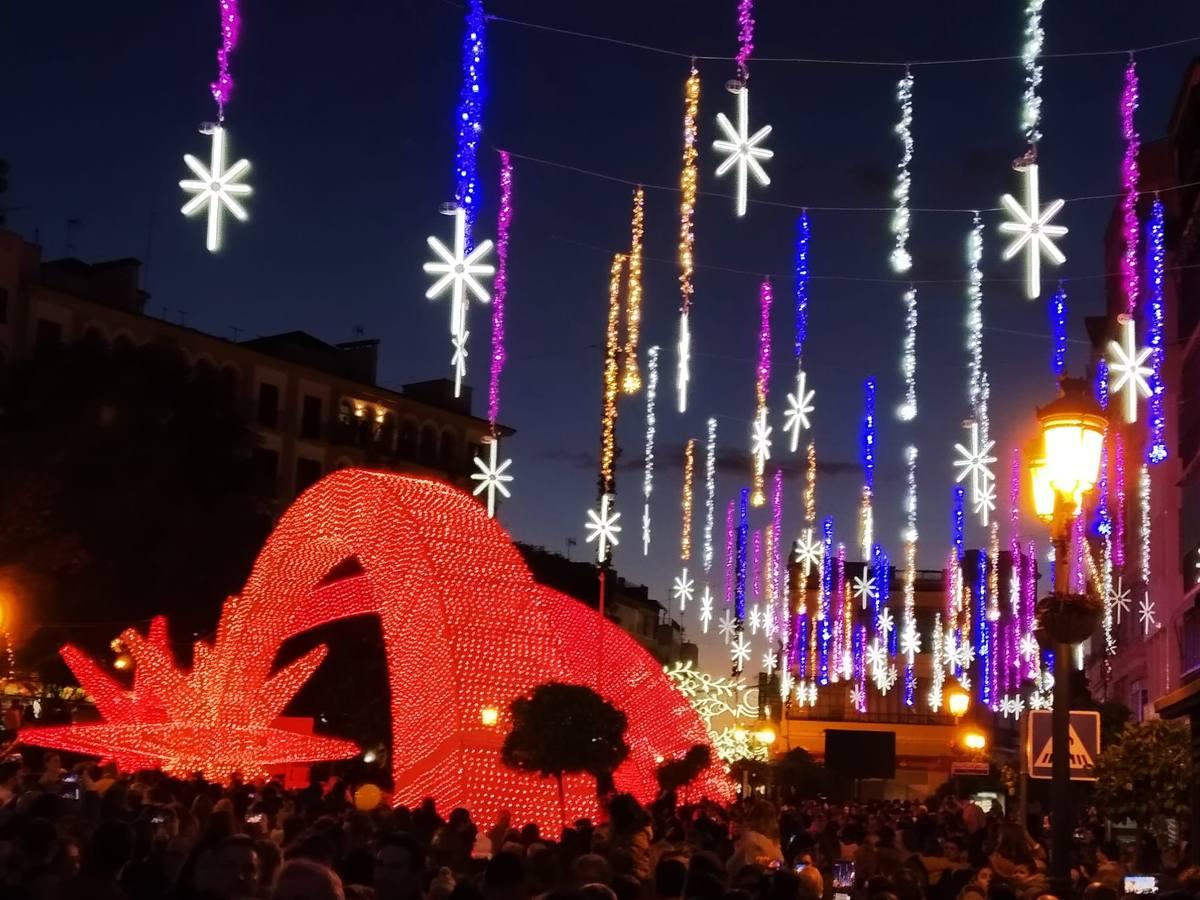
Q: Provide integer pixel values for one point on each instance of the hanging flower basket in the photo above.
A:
(1067, 618)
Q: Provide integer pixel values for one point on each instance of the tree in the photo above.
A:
(1145, 775)
(678, 773)
(563, 729)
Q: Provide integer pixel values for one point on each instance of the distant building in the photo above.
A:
(628, 605)
(314, 406)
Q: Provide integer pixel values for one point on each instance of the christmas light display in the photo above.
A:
(730, 551)
(958, 522)
(1034, 232)
(602, 528)
(975, 463)
(776, 536)
(937, 662)
(881, 576)
(500, 287)
(491, 476)
(687, 236)
(756, 563)
(458, 270)
(810, 486)
(760, 445)
(1146, 605)
(910, 569)
(727, 626)
(800, 404)
(1119, 508)
(216, 188)
(838, 614)
(469, 117)
(683, 590)
(1129, 184)
(739, 651)
(706, 609)
(866, 526)
(456, 605)
(826, 601)
(710, 493)
(1119, 598)
(648, 470)
(608, 419)
(742, 149)
(743, 536)
(1058, 331)
(975, 312)
(1127, 362)
(689, 468)
(1156, 450)
(907, 411)
(1031, 106)
(901, 258)
(631, 380)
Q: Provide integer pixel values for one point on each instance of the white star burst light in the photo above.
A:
(459, 270)
(1127, 369)
(755, 619)
(1119, 598)
(864, 588)
(910, 641)
(739, 652)
(760, 439)
(603, 528)
(742, 148)
(727, 625)
(217, 188)
(706, 609)
(875, 655)
(886, 622)
(769, 662)
(491, 477)
(800, 407)
(808, 551)
(885, 679)
(857, 698)
(684, 589)
(1146, 614)
(1034, 232)
(1029, 647)
(975, 462)
(984, 501)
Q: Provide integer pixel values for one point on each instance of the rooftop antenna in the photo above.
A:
(358, 331)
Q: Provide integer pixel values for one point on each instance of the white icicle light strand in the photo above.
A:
(1031, 101)
(901, 259)
(907, 411)
(710, 493)
(648, 474)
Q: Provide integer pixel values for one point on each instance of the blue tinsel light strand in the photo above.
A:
(469, 119)
(868, 432)
(981, 628)
(743, 532)
(1156, 450)
(881, 572)
(1100, 382)
(826, 594)
(801, 273)
(1058, 330)
(958, 522)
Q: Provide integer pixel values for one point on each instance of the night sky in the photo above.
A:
(346, 111)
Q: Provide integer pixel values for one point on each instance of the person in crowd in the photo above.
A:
(303, 879)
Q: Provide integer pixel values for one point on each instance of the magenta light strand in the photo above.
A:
(231, 26)
(1118, 550)
(500, 288)
(1129, 183)
(756, 564)
(745, 38)
(763, 372)
(777, 536)
(730, 551)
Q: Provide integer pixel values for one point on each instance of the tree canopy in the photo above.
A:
(1144, 776)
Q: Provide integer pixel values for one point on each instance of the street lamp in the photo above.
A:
(1062, 470)
(958, 701)
(974, 740)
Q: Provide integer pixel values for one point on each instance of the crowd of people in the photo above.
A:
(91, 833)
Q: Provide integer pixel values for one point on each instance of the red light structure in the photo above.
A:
(465, 627)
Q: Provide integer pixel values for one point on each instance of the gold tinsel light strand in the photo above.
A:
(632, 380)
(608, 421)
(689, 470)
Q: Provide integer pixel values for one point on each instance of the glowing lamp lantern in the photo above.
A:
(1039, 475)
(489, 716)
(975, 740)
(765, 735)
(958, 701)
(1072, 441)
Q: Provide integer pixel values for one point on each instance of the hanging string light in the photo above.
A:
(1146, 608)
(1031, 106)
(910, 574)
(710, 493)
(881, 571)
(810, 486)
(689, 468)
(1103, 515)
(1119, 490)
(907, 410)
(756, 567)
(631, 381)
(687, 236)
(730, 551)
(608, 420)
(901, 258)
(974, 460)
(760, 441)
(1057, 308)
(938, 672)
(866, 526)
(838, 613)
(743, 536)
(777, 570)
(1129, 183)
(823, 613)
(469, 118)
(1156, 451)
(800, 404)
(651, 423)
(741, 148)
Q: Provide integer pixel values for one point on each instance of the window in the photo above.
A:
(47, 334)
(266, 471)
(268, 405)
(308, 472)
(3, 306)
(310, 418)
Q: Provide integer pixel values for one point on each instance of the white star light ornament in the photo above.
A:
(910, 642)
(727, 625)
(742, 148)
(875, 655)
(739, 652)
(975, 462)
(760, 439)
(769, 663)
(1146, 614)
(459, 271)
(886, 623)
(1034, 232)
(800, 407)
(857, 698)
(1127, 369)
(809, 551)
(603, 528)
(1029, 646)
(1119, 598)
(217, 188)
(684, 590)
(706, 609)
(864, 588)
(491, 477)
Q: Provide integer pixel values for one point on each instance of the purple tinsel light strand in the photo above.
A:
(1118, 554)
(982, 632)
(860, 669)
(826, 591)
(958, 521)
(993, 667)
(839, 598)
(1156, 451)
(500, 288)
(777, 572)
(1014, 494)
(745, 38)
(469, 121)
(231, 26)
(1129, 183)
(743, 529)
(800, 646)
(801, 272)
(1058, 330)
(881, 570)
(756, 561)
(730, 551)
(1028, 602)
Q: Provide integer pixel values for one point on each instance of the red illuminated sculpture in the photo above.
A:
(466, 629)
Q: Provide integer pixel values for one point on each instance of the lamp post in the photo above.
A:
(1072, 441)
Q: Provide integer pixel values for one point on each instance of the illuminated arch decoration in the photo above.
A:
(465, 627)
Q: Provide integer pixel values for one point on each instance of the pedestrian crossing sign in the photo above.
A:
(1084, 746)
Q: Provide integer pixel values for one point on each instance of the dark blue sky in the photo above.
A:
(346, 110)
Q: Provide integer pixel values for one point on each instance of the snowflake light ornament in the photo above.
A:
(984, 501)
(875, 655)
(1037, 701)
(491, 477)
(760, 439)
(864, 588)
(603, 528)
(706, 609)
(755, 620)
(727, 625)
(1028, 648)
(742, 149)
(1034, 232)
(1119, 598)
(217, 188)
(769, 662)
(1127, 369)
(885, 679)
(975, 462)
(857, 698)
(684, 589)
(459, 271)
(800, 407)
(739, 652)
(1146, 614)
(809, 551)
(886, 623)
(910, 641)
